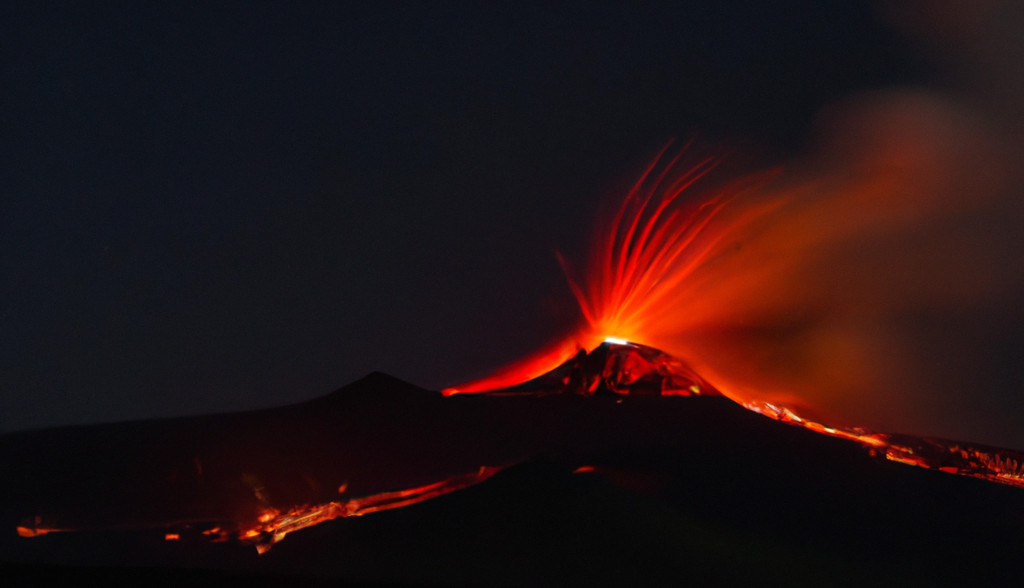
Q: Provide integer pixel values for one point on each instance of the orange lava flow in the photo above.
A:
(272, 525)
(993, 464)
(739, 283)
(24, 531)
(37, 527)
(527, 368)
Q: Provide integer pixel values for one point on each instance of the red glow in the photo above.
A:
(37, 527)
(34, 532)
(527, 368)
(653, 245)
(637, 287)
(730, 293)
(272, 525)
(727, 284)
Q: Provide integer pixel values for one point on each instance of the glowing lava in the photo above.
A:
(638, 287)
(272, 525)
(695, 287)
(670, 278)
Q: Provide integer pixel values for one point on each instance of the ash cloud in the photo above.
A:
(885, 287)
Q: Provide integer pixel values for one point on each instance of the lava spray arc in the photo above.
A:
(642, 264)
(643, 279)
(812, 289)
(647, 265)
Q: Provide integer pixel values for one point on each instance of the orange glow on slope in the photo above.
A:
(37, 527)
(640, 266)
(529, 367)
(745, 285)
(272, 525)
(36, 531)
(657, 238)
(993, 464)
(873, 284)
(852, 288)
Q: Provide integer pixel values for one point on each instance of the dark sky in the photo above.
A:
(222, 206)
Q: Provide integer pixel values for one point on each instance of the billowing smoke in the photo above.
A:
(878, 281)
(881, 281)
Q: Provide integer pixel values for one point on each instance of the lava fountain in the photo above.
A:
(874, 281)
(785, 292)
(754, 289)
(641, 266)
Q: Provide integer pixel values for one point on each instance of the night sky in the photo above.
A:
(224, 206)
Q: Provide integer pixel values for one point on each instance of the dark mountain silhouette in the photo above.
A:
(601, 489)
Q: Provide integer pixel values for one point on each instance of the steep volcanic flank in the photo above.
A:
(624, 368)
(607, 479)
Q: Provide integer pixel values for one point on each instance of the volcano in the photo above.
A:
(621, 465)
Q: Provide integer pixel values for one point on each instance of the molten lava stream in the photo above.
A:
(666, 267)
(272, 525)
(668, 281)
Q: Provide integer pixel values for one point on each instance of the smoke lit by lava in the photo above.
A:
(874, 281)
(665, 269)
(696, 287)
(672, 281)
(824, 295)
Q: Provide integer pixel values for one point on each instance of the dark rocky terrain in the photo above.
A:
(678, 489)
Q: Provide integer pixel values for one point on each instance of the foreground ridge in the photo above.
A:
(626, 368)
(381, 444)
